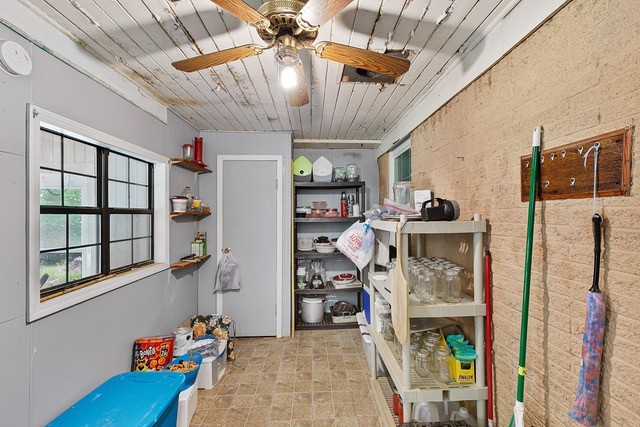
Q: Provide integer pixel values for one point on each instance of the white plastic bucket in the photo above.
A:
(312, 310)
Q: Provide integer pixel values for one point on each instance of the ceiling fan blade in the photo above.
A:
(217, 58)
(362, 58)
(317, 12)
(299, 94)
(243, 11)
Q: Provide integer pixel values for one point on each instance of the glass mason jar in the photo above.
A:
(442, 364)
(421, 362)
(415, 345)
(440, 280)
(387, 331)
(430, 346)
(453, 286)
(427, 286)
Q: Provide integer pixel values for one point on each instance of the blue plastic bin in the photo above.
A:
(190, 377)
(132, 399)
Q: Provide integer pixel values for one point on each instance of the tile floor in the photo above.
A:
(318, 378)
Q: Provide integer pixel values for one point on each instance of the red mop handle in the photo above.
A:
(488, 335)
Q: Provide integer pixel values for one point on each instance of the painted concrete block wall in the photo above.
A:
(577, 76)
(244, 143)
(383, 178)
(56, 360)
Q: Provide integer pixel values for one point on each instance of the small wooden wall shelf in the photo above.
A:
(563, 174)
(189, 262)
(190, 165)
(196, 215)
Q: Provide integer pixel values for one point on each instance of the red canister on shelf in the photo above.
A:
(343, 205)
(197, 142)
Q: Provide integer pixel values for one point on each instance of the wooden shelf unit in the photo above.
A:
(189, 262)
(196, 215)
(190, 165)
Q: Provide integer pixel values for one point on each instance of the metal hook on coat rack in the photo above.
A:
(226, 250)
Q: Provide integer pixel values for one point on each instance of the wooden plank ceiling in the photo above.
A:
(140, 39)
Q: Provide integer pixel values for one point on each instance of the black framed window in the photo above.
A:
(96, 215)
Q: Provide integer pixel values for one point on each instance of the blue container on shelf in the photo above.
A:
(190, 377)
(366, 305)
(132, 399)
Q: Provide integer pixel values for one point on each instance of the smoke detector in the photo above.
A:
(14, 59)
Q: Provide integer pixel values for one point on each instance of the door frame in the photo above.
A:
(279, 226)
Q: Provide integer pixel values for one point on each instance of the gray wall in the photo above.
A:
(50, 363)
(250, 143)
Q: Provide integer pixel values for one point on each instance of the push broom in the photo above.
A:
(518, 410)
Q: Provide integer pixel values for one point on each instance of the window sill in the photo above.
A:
(72, 298)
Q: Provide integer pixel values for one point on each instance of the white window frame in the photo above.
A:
(37, 118)
(393, 155)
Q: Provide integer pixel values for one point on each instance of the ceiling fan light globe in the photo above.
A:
(288, 78)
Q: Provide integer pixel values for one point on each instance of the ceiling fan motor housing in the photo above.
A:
(282, 15)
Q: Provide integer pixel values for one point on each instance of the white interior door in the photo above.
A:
(250, 224)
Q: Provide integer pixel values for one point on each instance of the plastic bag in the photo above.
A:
(228, 274)
(357, 243)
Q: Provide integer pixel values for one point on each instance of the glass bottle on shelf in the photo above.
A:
(187, 193)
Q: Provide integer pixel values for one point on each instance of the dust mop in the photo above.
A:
(518, 409)
(585, 408)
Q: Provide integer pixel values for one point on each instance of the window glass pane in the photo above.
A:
(84, 230)
(53, 231)
(118, 167)
(84, 262)
(79, 157)
(141, 250)
(402, 166)
(50, 192)
(50, 149)
(120, 226)
(79, 190)
(139, 172)
(120, 254)
(139, 197)
(141, 225)
(53, 269)
(118, 195)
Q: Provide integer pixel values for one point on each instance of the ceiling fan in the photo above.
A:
(291, 25)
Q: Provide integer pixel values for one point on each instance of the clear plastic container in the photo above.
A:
(402, 192)
(464, 415)
(453, 287)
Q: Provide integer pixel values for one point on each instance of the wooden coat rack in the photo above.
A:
(563, 174)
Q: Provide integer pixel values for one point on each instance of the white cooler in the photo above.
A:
(187, 402)
(212, 369)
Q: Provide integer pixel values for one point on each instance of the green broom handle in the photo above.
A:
(535, 154)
